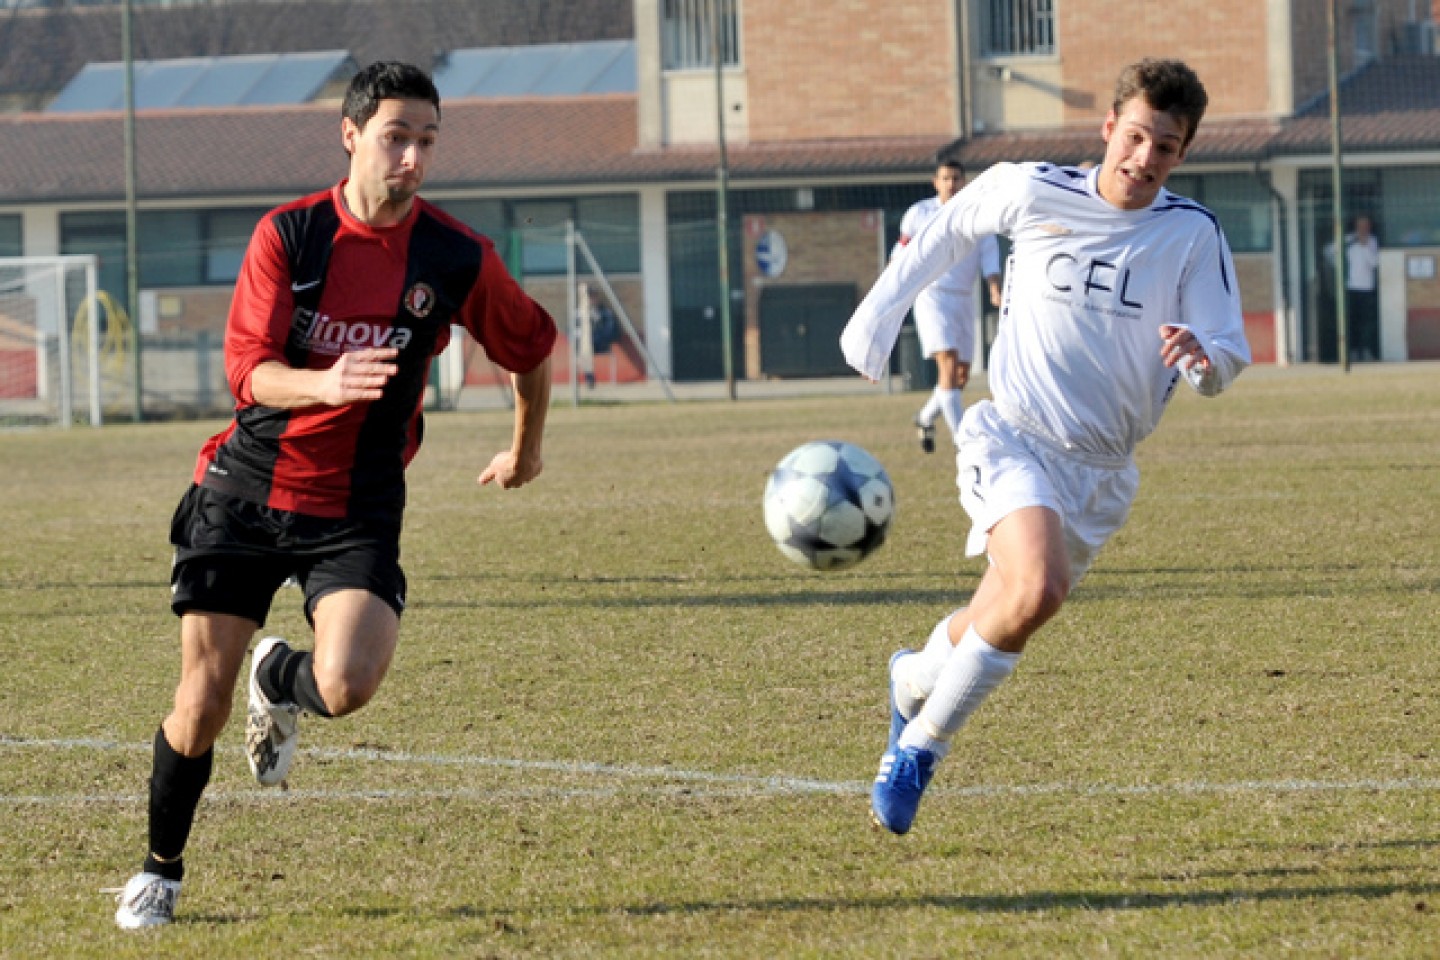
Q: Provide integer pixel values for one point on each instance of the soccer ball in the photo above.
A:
(828, 505)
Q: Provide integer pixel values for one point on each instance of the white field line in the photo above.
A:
(680, 783)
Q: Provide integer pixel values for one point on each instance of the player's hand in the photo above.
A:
(1177, 343)
(510, 470)
(358, 375)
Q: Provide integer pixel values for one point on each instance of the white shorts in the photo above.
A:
(1002, 469)
(945, 321)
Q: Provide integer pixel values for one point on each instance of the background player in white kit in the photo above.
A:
(1117, 288)
(945, 310)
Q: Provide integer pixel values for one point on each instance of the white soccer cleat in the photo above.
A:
(271, 729)
(148, 900)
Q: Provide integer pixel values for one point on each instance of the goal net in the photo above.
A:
(598, 324)
(50, 341)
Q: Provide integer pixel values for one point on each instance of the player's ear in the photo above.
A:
(1108, 127)
(1187, 138)
(349, 133)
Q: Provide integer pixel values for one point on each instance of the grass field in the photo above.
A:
(621, 724)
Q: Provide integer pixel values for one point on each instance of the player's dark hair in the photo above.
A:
(949, 156)
(1168, 86)
(386, 80)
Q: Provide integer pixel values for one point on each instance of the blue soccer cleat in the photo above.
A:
(904, 774)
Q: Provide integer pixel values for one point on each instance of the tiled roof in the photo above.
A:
(1403, 83)
(485, 144)
(1391, 104)
(527, 142)
(41, 49)
(1367, 133)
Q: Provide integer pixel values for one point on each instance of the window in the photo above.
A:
(483, 216)
(686, 28)
(1012, 28)
(11, 236)
(102, 234)
(189, 248)
(1408, 212)
(227, 234)
(1239, 201)
(178, 248)
(1364, 17)
(170, 248)
(541, 224)
(610, 225)
(536, 244)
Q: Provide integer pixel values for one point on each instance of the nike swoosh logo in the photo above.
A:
(297, 287)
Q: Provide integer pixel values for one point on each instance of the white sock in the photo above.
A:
(971, 673)
(952, 408)
(931, 410)
(916, 674)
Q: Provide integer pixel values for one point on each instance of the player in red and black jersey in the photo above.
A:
(343, 300)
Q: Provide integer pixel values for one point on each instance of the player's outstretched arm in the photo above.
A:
(522, 462)
(353, 377)
(981, 209)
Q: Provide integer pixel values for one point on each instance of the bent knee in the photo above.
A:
(1038, 599)
(202, 713)
(347, 691)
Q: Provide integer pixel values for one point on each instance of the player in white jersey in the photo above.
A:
(1117, 288)
(945, 310)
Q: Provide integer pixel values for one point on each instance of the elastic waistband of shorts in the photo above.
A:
(1047, 439)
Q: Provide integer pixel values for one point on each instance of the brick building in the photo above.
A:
(832, 110)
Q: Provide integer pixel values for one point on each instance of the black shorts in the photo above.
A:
(232, 555)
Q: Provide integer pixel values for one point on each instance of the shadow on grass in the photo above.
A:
(1037, 902)
(828, 598)
(1087, 594)
(1240, 582)
(850, 588)
(184, 919)
(1042, 901)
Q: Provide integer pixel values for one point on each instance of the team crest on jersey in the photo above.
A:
(420, 300)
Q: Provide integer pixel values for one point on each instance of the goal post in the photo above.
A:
(50, 328)
(583, 301)
(581, 282)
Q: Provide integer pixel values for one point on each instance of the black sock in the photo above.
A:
(176, 783)
(287, 676)
(307, 693)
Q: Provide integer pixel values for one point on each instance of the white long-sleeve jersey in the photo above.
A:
(1077, 357)
(954, 292)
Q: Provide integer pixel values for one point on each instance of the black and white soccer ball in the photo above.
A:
(828, 505)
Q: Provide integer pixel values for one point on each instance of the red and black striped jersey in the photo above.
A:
(317, 282)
